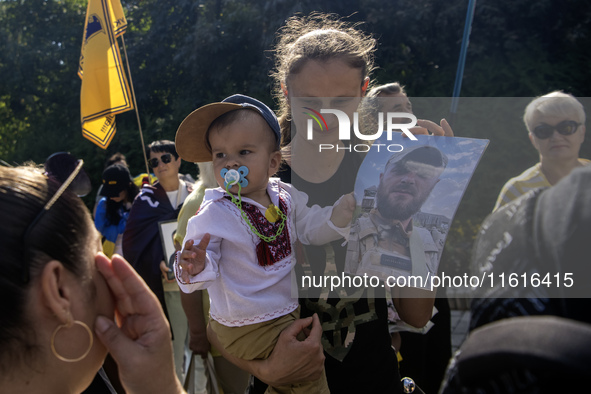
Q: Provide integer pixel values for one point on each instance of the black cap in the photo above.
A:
(116, 178)
(420, 154)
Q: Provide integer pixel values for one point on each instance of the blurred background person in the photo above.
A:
(116, 158)
(392, 97)
(139, 180)
(556, 128)
(112, 210)
(142, 243)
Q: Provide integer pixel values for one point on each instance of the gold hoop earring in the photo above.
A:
(71, 360)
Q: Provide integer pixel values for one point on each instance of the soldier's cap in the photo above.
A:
(190, 141)
(420, 154)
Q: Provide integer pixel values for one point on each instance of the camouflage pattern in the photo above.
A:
(410, 251)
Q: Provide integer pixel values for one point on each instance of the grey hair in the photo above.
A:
(556, 103)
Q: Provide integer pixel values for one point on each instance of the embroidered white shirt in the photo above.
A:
(241, 291)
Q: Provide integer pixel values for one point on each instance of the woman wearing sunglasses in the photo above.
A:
(60, 296)
(142, 245)
(556, 125)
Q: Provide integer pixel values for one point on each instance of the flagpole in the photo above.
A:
(462, 60)
(137, 114)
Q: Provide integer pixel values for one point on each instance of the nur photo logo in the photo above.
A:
(394, 122)
(317, 117)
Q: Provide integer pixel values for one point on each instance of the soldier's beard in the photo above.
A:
(397, 210)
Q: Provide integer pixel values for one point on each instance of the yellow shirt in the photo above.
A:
(531, 179)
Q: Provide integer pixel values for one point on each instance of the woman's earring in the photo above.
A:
(69, 325)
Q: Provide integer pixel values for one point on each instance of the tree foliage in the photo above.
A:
(186, 53)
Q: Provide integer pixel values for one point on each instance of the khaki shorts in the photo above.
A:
(254, 341)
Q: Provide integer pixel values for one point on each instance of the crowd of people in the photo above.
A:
(268, 204)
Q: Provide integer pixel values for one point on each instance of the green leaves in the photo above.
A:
(187, 53)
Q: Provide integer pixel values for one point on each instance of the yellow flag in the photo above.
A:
(105, 91)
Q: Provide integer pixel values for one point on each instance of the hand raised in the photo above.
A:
(140, 343)
(342, 213)
(192, 258)
(427, 126)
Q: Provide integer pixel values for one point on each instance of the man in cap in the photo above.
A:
(383, 242)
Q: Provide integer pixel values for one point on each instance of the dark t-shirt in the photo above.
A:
(369, 363)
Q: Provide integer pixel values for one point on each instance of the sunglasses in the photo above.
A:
(166, 158)
(566, 127)
(69, 181)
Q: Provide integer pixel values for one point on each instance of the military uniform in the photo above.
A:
(386, 250)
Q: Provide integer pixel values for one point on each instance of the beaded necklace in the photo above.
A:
(238, 177)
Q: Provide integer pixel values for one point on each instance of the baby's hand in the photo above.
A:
(192, 259)
(342, 213)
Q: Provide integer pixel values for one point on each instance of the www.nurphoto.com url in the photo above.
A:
(487, 279)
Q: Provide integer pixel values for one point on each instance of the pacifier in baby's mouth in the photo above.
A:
(232, 176)
(273, 213)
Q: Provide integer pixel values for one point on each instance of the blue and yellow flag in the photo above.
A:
(105, 91)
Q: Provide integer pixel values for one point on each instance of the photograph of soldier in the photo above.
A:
(383, 240)
(405, 204)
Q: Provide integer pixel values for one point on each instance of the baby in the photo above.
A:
(245, 230)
